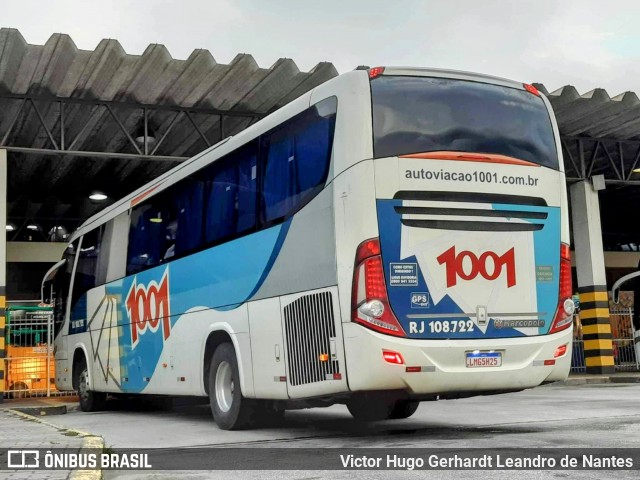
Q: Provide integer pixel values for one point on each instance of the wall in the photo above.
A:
(27, 262)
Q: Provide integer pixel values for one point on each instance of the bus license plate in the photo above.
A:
(484, 359)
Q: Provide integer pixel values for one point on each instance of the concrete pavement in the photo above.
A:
(22, 431)
(578, 413)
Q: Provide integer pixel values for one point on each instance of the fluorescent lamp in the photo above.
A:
(98, 196)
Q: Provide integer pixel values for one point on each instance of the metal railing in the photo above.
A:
(624, 354)
(29, 360)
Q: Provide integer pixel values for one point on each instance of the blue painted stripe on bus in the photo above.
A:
(282, 235)
(221, 278)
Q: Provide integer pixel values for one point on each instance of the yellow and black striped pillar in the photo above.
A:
(596, 329)
(592, 277)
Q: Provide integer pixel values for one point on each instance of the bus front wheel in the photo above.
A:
(90, 401)
(231, 411)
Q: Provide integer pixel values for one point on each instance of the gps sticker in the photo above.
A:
(420, 300)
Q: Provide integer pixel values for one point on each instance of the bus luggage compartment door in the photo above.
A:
(314, 347)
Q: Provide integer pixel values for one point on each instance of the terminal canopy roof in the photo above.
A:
(78, 121)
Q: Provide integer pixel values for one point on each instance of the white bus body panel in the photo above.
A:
(443, 363)
(267, 349)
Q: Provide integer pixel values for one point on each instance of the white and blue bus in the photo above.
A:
(392, 236)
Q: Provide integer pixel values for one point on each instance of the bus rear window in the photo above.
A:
(425, 114)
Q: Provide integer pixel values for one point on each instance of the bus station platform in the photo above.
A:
(618, 377)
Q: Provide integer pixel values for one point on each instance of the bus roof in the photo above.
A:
(444, 73)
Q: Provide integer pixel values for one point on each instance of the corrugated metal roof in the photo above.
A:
(41, 186)
(52, 189)
(601, 135)
(595, 114)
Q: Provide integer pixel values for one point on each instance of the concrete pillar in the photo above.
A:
(592, 283)
(3, 264)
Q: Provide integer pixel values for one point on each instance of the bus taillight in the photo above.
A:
(370, 303)
(531, 89)
(566, 307)
(375, 72)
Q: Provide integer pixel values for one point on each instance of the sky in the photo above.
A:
(583, 43)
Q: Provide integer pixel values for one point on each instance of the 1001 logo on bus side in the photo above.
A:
(489, 270)
(147, 305)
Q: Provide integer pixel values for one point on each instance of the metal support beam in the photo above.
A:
(632, 183)
(608, 156)
(58, 145)
(82, 153)
(130, 105)
(123, 129)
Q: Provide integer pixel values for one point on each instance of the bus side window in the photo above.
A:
(86, 275)
(187, 202)
(231, 194)
(295, 158)
(168, 225)
(58, 288)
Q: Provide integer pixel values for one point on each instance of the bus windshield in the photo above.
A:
(426, 114)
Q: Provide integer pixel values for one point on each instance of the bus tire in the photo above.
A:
(404, 409)
(231, 411)
(269, 415)
(370, 407)
(90, 401)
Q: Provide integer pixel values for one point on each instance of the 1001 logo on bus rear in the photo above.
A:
(148, 308)
(489, 265)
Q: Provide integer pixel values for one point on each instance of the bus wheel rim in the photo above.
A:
(83, 391)
(224, 386)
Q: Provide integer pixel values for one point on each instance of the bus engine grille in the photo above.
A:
(310, 331)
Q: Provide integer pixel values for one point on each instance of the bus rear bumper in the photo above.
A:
(526, 362)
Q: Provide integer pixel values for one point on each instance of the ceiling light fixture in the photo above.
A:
(32, 227)
(9, 227)
(98, 196)
(139, 135)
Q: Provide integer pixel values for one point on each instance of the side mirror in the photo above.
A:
(45, 293)
(48, 280)
(615, 290)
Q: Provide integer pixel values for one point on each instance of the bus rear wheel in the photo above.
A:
(90, 401)
(404, 409)
(370, 407)
(231, 411)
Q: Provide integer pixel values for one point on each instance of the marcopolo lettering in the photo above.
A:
(148, 307)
